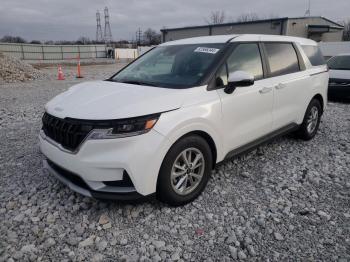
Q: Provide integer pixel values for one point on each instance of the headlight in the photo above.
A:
(126, 127)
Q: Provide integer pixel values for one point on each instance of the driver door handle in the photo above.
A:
(265, 90)
(280, 86)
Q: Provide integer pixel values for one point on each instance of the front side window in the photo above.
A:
(314, 54)
(339, 62)
(282, 58)
(173, 66)
(246, 57)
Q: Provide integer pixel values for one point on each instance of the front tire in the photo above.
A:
(185, 171)
(311, 122)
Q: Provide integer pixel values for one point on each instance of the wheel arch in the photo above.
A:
(208, 139)
(206, 136)
(320, 99)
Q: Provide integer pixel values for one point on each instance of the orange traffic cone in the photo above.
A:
(78, 71)
(60, 73)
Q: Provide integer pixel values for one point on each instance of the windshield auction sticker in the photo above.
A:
(206, 50)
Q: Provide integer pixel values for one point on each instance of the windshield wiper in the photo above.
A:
(134, 82)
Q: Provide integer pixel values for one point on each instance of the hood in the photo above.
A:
(99, 100)
(339, 74)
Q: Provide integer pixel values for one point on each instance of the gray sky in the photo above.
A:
(70, 19)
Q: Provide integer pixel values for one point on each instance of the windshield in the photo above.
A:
(173, 66)
(339, 63)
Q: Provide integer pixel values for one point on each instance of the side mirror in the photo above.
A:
(238, 79)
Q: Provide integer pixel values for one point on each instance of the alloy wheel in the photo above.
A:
(187, 171)
(312, 120)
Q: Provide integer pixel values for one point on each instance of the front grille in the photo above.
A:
(71, 132)
(67, 132)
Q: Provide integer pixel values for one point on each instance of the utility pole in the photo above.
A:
(138, 36)
(108, 32)
(98, 29)
(308, 11)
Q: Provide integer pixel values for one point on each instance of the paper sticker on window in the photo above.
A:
(206, 50)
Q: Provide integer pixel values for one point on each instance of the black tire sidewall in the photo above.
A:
(165, 192)
(303, 132)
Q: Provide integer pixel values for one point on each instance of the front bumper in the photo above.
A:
(99, 165)
(75, 183)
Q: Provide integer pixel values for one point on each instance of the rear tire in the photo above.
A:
(185, 171)
(311, 122)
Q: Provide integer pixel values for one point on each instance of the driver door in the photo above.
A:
(247, 112)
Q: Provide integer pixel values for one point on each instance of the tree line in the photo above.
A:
(149, 37)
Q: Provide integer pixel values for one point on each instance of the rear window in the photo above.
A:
(314, 54)
(282, 58)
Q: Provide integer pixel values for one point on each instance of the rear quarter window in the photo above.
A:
(314, 54)
(282, 58)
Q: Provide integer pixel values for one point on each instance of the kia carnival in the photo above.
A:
(161, 124)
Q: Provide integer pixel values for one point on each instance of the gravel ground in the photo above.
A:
(288, 200)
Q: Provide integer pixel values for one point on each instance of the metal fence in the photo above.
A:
(53, 52)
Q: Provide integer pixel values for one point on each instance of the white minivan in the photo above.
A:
(160, 124)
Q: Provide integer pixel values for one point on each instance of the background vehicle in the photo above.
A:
(162, 123)
(339, 77)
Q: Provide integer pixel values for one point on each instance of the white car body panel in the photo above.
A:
(255, 119)
(200, 114)
(230, 120)
(290, 92)
(110, 100)
(105, 160)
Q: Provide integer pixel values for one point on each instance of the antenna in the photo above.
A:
(308, 11)
(98, 29)
(108, 32)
